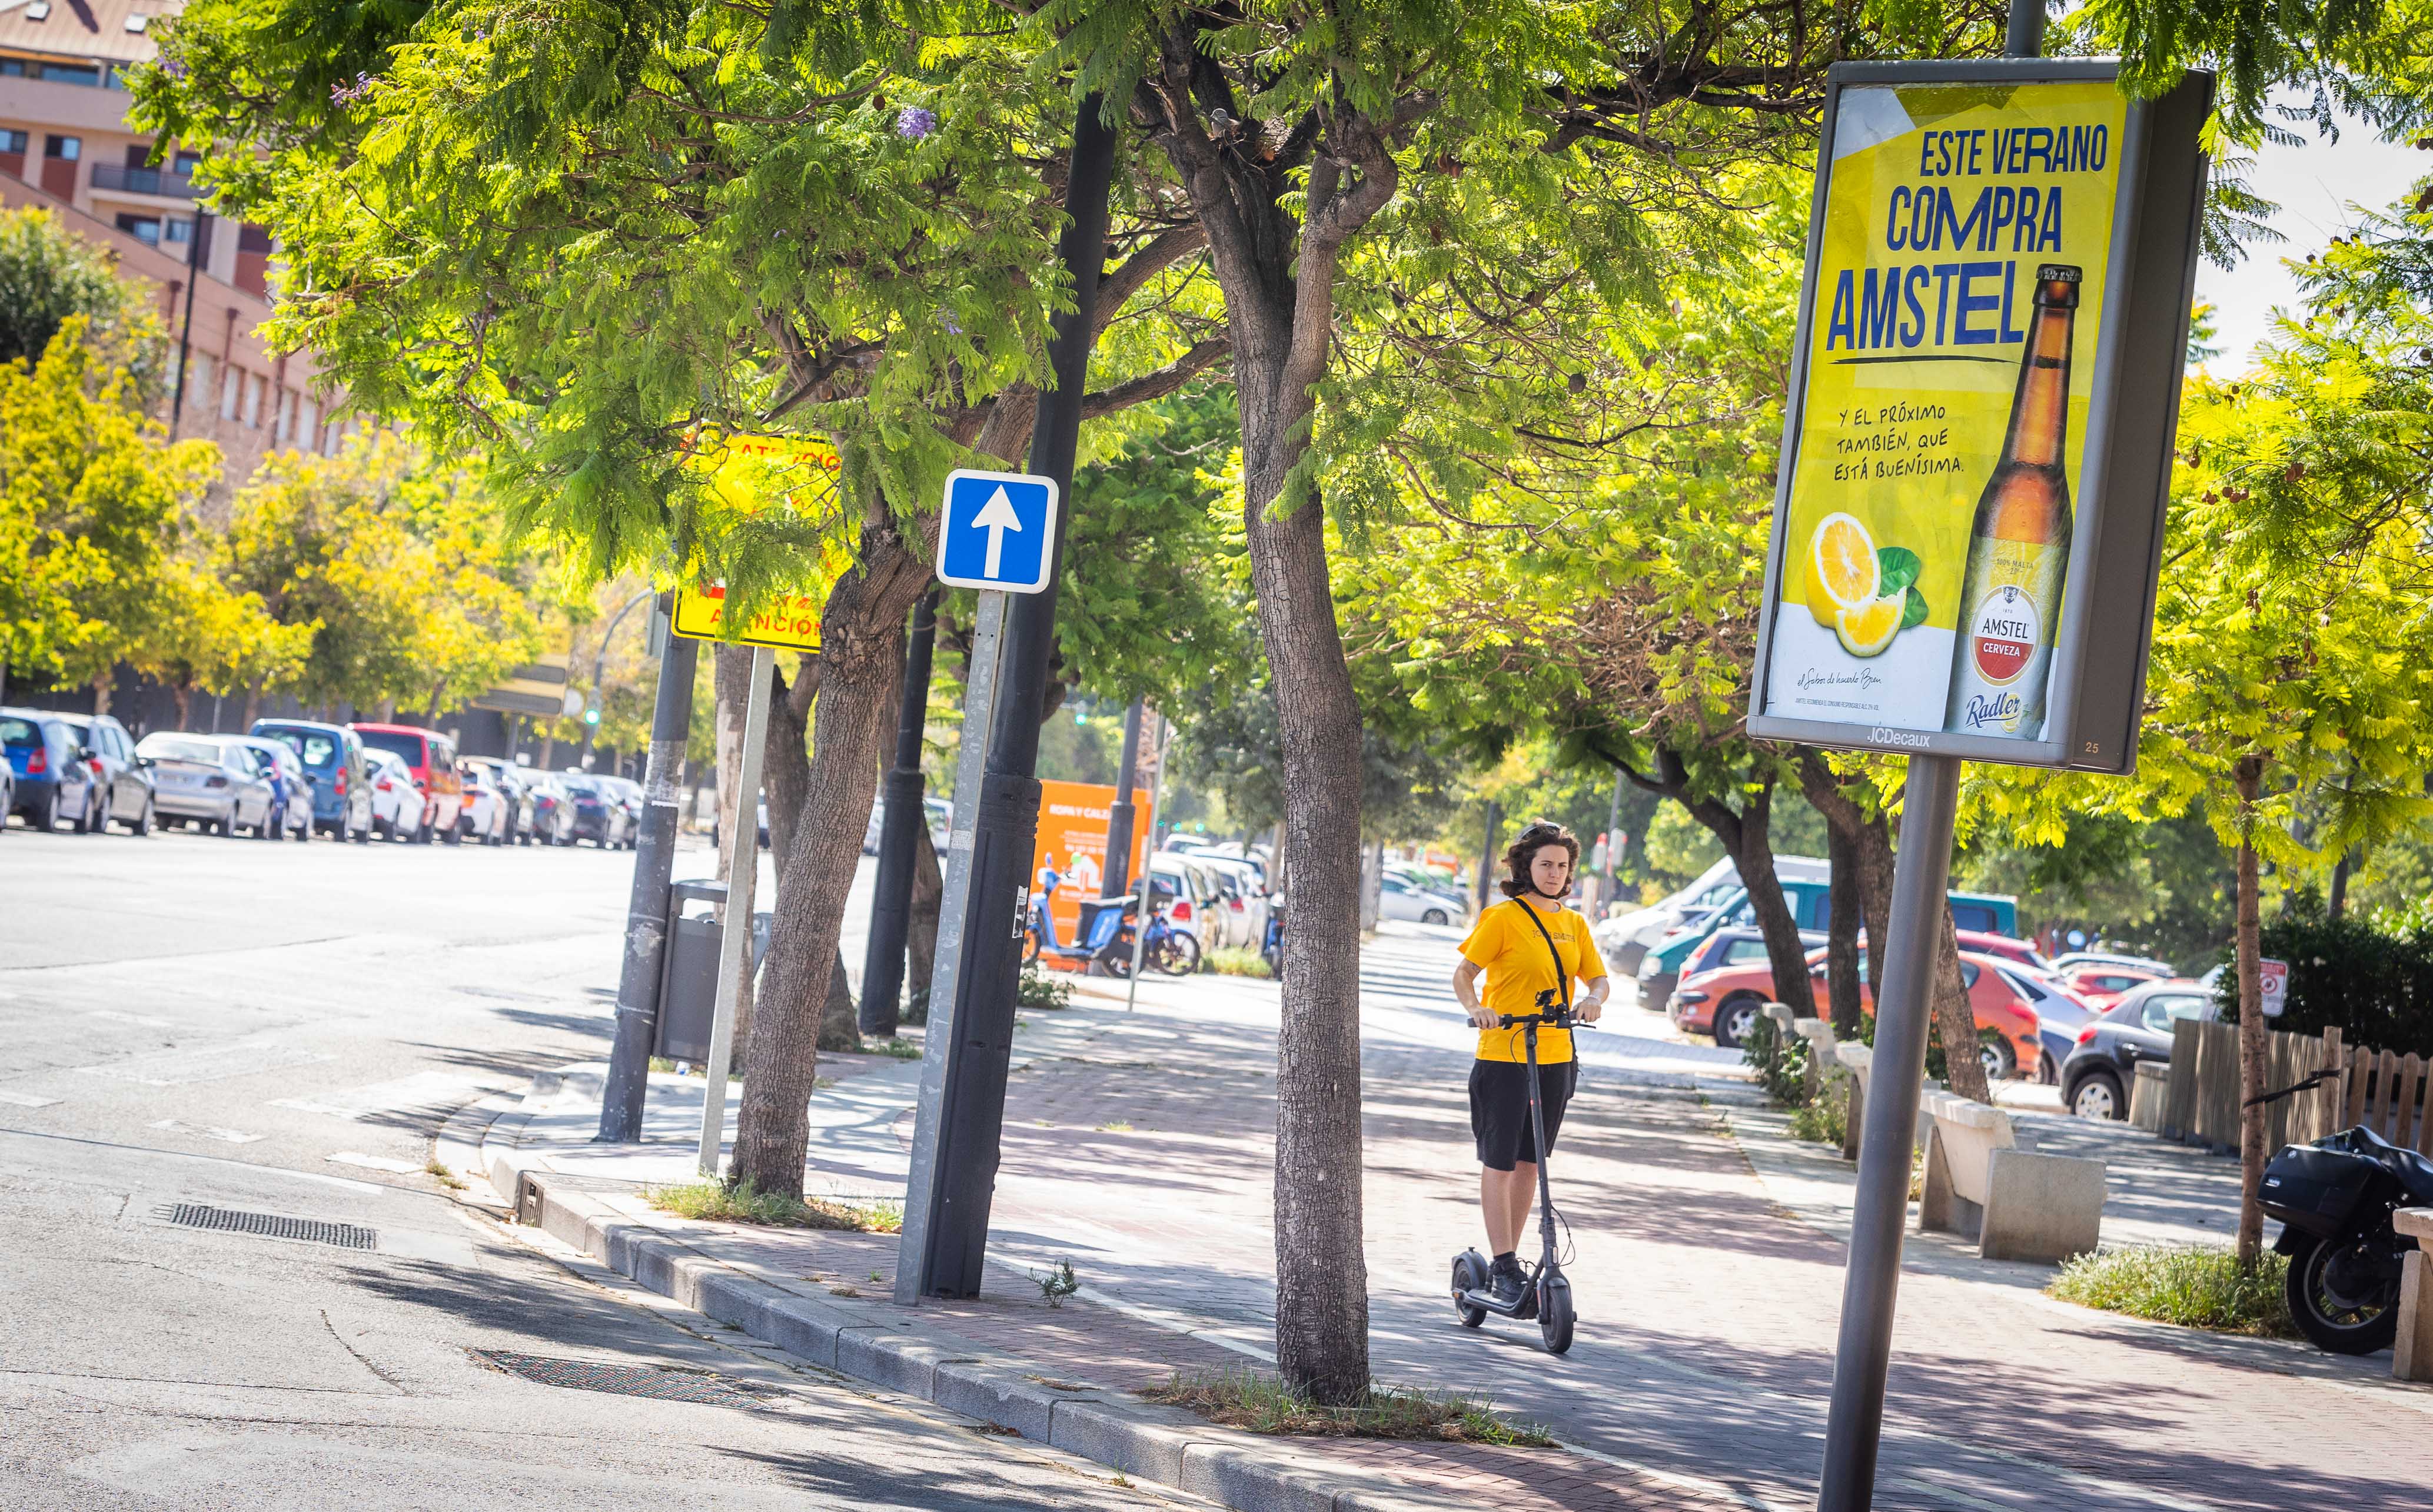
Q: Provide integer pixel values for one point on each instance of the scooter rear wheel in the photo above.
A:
(1030, 948)
(1554, 1314)
(1468, 1276)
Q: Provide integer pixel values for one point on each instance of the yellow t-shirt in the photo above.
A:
(1513, 953)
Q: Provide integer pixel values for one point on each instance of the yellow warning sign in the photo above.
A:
(751, 473)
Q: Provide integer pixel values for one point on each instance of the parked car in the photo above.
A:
(1245, 894)
(430, 758)
(342, 794)
(2060, 1014)
(2076, 958)
(599, 813)
(1693, 1005)
(1997, 1005)
(1397, 897)
(126, 793)
(487, 808)
(509, 812)
(629, 793)
(291, 786)
(550, 821)
(942, 821)
(396, 802)
(1626, 938)
(2101, 1069)
(1188, 894)
(2103, 986)
(48, 781)
(2017, 951)
(209, 781)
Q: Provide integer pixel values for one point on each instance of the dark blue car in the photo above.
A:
(333, 754)
(49, 780)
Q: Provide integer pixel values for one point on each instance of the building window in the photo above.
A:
(144, 229)
(253, 400)
(12, 141)
(72, 73)
(63, 150)
(176, 232)
(198, 376)
(228, 396)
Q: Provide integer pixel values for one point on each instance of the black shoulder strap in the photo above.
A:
(1562, 977)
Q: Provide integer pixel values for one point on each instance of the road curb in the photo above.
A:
(1167, 1445)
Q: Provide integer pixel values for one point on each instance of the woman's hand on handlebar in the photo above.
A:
(1482, 1016)
(1592, 1002)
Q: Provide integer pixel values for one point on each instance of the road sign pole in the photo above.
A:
(939, 1055)
(1119, 818)
(1140, 921)
(735, 931)
(902, 827)
(646, 909)
(1005, 829)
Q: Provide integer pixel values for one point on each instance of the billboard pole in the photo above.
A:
(1854, 1421)
(646, 910)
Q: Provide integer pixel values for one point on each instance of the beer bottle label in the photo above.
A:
(2007, 637)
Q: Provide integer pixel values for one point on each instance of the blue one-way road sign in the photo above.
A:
(997, 530)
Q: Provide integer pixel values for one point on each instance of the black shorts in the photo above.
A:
(1499, 1107)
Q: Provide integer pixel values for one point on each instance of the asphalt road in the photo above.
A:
(275, 1029)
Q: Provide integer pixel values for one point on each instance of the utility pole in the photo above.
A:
(954, 1177)
(646, 907)
(1487, 856)
(186, 327)
(1119, 818)
(903, 826)
(1612, 843)
(1854, 1418)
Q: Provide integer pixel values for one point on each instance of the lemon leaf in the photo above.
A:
(1913, 612)
(1899, 567)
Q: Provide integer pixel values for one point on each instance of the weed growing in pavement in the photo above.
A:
(685, 1068)
(1238, 960)
(1057, 1283)
(1780, 1062)
(2194, 1285)
(1824, 1119)
(1039, 989)
(1263, 1404)
(718, 1202)
(447, 1178)
(901, 1049)
(1115, 1126)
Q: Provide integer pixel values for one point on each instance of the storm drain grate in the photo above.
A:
(655, 1381)
(272, 1226)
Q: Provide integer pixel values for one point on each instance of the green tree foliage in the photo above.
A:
(49, 274)
(203, 636)
(91, 502)
(401, 570)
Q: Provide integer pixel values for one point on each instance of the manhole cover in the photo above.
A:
(656, 1382)
(274, 1225)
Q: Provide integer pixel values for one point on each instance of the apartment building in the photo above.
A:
(66, 145)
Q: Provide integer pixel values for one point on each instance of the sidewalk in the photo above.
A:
(1707, 1263)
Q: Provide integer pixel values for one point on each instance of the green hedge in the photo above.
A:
(2370, 979)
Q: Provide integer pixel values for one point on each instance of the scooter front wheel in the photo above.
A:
(1554, 1314)
(1469, 1275)
(1030, 948)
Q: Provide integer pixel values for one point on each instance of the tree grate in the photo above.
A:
(273, 1225)
(660, 1383)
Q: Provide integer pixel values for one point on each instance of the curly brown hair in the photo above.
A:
(1540, 834)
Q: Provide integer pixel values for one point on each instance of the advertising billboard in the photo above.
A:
(1976, 448)
(1072, 845)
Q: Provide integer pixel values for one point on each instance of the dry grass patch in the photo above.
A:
(716, 1201)
(1263, 1404)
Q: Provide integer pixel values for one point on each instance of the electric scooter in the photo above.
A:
(1547, 1295)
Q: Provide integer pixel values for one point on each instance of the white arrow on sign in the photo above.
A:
(997, 517)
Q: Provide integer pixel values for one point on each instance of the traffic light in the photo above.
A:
(592, 716)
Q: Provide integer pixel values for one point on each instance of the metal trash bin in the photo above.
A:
(689, 976)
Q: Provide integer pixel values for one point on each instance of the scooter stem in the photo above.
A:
(1537, 1133)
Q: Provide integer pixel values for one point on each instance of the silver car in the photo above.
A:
(208, 781)
(291, 786)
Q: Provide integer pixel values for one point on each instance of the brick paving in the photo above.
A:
(1138, 1148)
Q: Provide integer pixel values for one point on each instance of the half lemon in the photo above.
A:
(1842, 572)
(1866, 630)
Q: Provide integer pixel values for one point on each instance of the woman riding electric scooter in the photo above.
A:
(1530, 949)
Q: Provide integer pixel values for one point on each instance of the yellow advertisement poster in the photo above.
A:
(752, 473)
(1958, 285)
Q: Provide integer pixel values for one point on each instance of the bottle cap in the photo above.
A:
(2057, 286)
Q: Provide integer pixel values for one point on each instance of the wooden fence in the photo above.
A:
(2391, 1094)
(2203, 1106)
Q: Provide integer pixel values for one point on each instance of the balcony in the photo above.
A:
(143, 180)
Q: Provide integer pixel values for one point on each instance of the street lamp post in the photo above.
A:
(599, 671)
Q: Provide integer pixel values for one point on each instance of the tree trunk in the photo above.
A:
(1372, 885)
(862, 628)
(732, 678)
(252, 702)
(921, 939)
(2252, 1044)
(184, 692)
(101, 698)
(840, 1021)
(1845, 823)
(2338, 904)
(1749, 839)
(1876, 896)
(1955, 1022)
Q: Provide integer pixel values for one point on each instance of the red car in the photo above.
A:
(1724, 1003)
(2018, 952)
(432, 758)
(2101, 987)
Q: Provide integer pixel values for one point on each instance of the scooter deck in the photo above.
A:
(1524, 1311)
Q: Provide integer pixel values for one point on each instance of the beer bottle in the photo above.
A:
(2018, 545)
